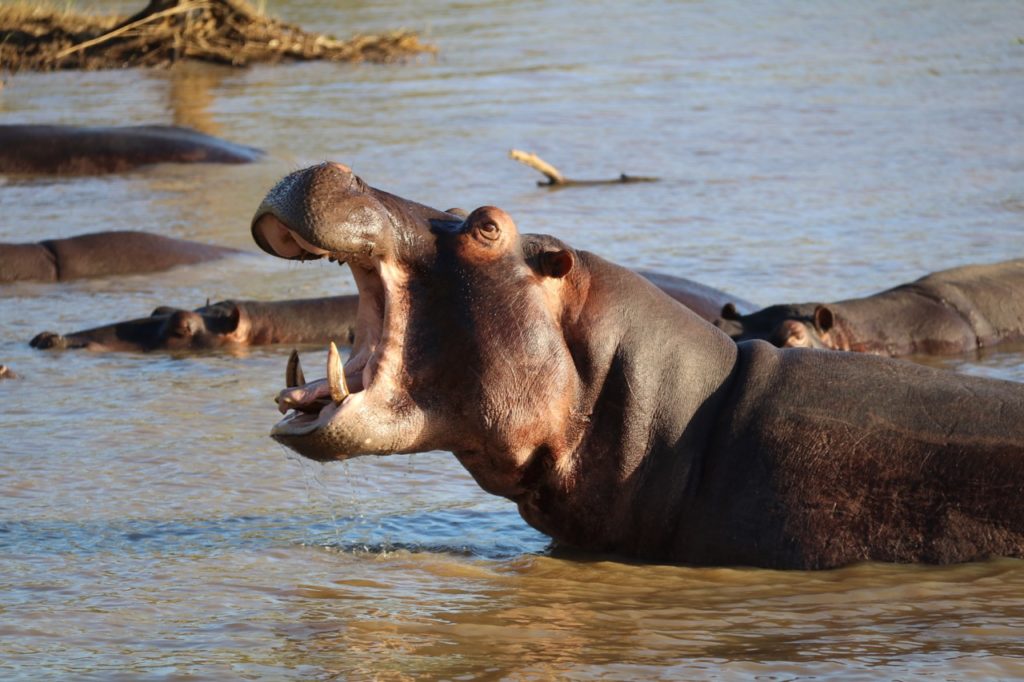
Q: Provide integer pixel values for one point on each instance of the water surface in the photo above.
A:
(149, 529)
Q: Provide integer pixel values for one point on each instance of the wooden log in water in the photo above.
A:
(555, 178)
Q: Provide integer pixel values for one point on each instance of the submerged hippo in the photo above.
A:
(100, 254)
(706, 301)
(8, 373)
(81, 150)
(946, 312)
(252, 323)
(619, 421)
(226, 323)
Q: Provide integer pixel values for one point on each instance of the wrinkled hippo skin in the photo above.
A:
(101, 254)
(619, 421)
(222, 324)
(952, 311)
(80, 150)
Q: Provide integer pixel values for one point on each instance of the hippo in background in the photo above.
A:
(231, 324)
(100, 254)
(704, 300)
(86, 150)
(8, 373)
(946, 312)
(256, 323)
(619, 421)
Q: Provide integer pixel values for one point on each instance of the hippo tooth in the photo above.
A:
(336, 375)
(293, 375)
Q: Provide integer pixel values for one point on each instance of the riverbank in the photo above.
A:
(40, 37)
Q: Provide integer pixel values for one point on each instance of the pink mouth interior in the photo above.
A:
(308, 406)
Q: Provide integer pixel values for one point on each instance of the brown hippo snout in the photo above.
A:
(48, 341)
(328, 210)
(300, 216)
(794, 334)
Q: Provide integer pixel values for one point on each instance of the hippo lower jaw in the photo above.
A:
(360, 408)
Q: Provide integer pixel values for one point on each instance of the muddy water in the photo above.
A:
(150, 530)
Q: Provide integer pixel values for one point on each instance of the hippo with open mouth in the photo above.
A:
(619, 421)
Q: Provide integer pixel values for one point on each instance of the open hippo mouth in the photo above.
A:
(308, 406)
(363, 407)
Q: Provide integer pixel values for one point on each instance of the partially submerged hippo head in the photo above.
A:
(458, 343)
(803, 325)
(211, 326)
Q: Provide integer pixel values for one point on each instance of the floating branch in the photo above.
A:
(556, 179)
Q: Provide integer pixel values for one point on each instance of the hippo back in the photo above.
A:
(990, 297)
(704, 300)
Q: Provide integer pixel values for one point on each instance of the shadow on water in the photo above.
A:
(191, 93)
(463, 533)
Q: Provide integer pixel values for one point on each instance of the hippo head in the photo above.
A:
(785, 325)
(458, 342)
(211, 326)
(818, 332)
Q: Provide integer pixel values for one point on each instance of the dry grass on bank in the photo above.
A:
(41, 37)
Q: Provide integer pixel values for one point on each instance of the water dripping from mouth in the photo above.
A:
(323, 500)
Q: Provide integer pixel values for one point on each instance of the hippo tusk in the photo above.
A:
(293, 375)
(336, 375)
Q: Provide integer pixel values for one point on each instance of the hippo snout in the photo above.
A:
(48, 341)
(320, 210)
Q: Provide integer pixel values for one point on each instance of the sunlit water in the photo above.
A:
(149, 529)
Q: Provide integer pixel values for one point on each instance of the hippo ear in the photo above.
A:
(729, 312)
(823, 318)
(239, 322)
(556, 263)
(234, 318)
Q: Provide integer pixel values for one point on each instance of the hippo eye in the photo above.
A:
(488, 230)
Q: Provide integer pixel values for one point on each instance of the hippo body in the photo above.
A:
(221, 324)
(100, 254)
(619, 421)
(952, 311)
(704, 300)
(83, 150)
